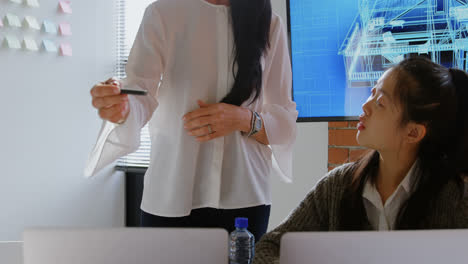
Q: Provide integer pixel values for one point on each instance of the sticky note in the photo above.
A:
(49, 46)
(13, 21)
(12, 42)
(16, 1)
(65, 6)
(50, 27)
(30, 44)
(66, 49)
(32, 3)
(65, 29)
(32, 23)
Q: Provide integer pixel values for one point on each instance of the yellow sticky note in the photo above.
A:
(30, 44)
(66, 49)
(12, 42)
(13, 21)
(32, 23)
(32, 3)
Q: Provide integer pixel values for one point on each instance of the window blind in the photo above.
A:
(128, 15)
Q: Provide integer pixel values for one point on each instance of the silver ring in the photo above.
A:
(210, 131)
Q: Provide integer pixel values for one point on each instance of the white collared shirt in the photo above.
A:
(182, 53)
(383, 216)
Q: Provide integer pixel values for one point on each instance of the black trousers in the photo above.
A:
(209, 217)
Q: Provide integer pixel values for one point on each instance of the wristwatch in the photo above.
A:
(256, 125)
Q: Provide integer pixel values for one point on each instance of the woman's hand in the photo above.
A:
(216, 120)
(111, 105)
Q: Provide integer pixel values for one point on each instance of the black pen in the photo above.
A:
(126, 91)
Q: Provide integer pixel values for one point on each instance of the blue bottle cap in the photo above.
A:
(241, 222)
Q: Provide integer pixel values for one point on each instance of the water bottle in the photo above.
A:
(241, 243)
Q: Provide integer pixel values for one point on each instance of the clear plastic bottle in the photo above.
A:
(241, 243)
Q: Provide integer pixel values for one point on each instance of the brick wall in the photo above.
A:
(342, 144)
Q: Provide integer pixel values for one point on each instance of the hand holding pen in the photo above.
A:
(112, 105)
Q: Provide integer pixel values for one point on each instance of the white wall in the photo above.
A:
(279, 7)
(48, 125)
(309, 165)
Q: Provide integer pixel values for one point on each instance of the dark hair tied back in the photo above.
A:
(460, 82)
(251, 22)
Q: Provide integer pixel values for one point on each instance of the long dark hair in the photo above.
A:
(251, 27)
(437, 97)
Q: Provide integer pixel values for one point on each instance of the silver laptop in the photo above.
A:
(11, 252)
(428, 247)
(125, 246)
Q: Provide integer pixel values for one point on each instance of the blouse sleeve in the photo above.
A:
(279, 111)
(144, 68)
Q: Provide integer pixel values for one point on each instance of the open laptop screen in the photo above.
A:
(125, 246)
(428, 247)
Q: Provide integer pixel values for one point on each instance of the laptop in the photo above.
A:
(428, 247)
(11, 252)
(125, 246)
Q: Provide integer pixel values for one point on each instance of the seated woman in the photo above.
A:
(416, 124)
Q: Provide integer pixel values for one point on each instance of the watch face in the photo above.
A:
(258, 124)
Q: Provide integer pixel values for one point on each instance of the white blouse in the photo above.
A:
(383, 216)
(182, 53)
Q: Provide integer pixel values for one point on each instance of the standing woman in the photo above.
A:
(219, 109)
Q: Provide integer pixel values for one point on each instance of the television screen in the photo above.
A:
(340, 48)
